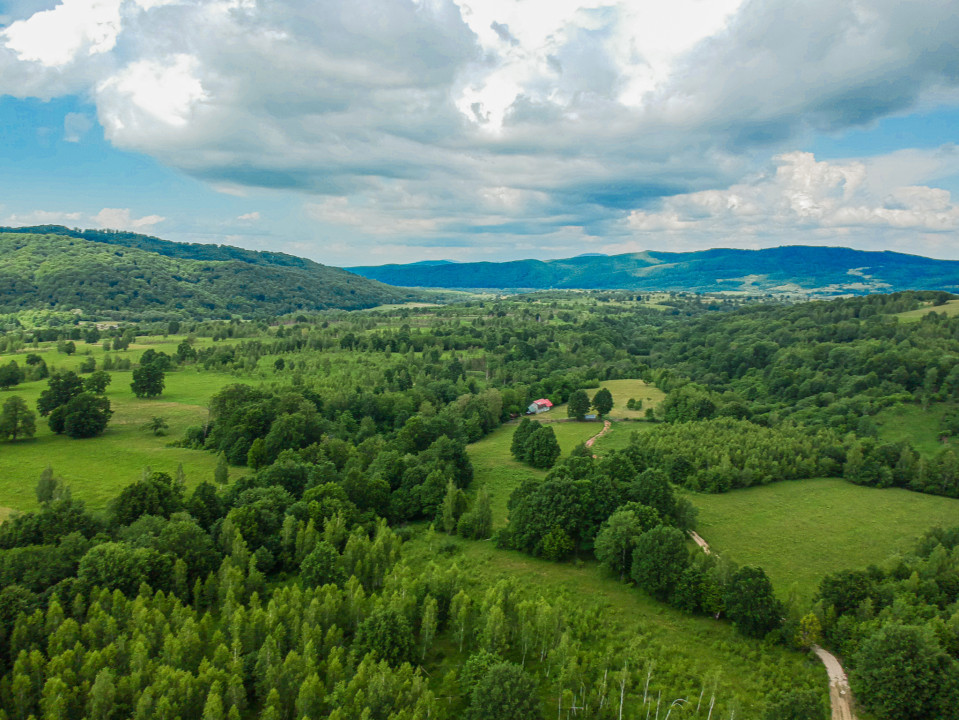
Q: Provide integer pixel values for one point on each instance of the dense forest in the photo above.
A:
(331, 578)
(125, 276)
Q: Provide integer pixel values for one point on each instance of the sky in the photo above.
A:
(363, 132)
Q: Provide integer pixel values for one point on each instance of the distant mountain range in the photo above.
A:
(794, 269)
(129, 276)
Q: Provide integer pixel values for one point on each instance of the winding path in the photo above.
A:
(597, 436)
(840, 696)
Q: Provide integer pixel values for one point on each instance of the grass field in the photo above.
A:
(623, 390)
(97, 468)
(619, 436)
(496, 470)
(918, 426)
(799, 531)
(950, 308)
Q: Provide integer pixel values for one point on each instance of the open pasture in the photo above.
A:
(800, 531)
(623, 390)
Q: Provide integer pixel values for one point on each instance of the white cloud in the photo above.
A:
(550, 119)
(249, 217)
(122, 219)
(58, 37)
(804, 201)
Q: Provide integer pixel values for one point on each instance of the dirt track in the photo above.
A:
(597, 436)
(840, 696)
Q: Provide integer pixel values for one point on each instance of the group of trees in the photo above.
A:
(579, 403)
(74, 408)
(897, 627)
(535, 443)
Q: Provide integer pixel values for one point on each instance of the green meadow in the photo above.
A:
(801, 530)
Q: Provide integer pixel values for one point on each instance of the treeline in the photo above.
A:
(897, 628)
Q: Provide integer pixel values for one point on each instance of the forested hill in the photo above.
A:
(129, 276)
(791, 269)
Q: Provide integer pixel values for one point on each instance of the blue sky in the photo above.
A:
(402, 130)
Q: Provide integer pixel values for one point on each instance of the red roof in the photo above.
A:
(543, 402)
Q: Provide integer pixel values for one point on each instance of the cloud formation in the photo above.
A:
(554, 120)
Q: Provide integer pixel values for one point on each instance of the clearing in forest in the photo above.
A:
(801, 530)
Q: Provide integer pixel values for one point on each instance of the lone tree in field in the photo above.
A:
(578, 405)
(602, 402)
(10, 375)
(85, 415)
(147, 381)
(521, 434)
(17, 420)
(542, 448)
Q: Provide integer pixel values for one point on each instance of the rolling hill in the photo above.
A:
(791, 269)
(128, 276)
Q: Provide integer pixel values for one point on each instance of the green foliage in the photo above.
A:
(387, 635)
(504, 692)
(541, 449)
(578, 404)
(148, 381)
(322, 566)
(796, 705)
(751, 604)
(61, 388)
(85, 415)
(602, 402)
(525, 428)
(11, 374)
(659, 559)
(901, 672)
(16, 419)
(122, 275)
(97, 382)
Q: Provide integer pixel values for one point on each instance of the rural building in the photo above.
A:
(539, 406)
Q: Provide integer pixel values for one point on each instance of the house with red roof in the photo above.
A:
(539, 406)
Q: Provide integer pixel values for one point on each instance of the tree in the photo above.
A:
(86, 415)
(10, 375)
(158, 425)
(809, 632)
(97, 382)
(477, 523)
(751, 603)
(147, 381)
(522, 432)
(454, 504)
(541, 449)
(616, 541)
(603, 401)
(16, 419)
(221, 474)
(659, 560)
(796, 705)
(578, 404)
(505, 692)
(387, 635)
(322, 566)
(61, 388)
(901, 673)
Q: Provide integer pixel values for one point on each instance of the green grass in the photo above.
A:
(623, 390)
(912, 423)
(950, 308)
(496, 470)
(96, 469)
(619, 436)
(801, 530)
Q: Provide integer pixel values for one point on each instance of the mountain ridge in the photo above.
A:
(123, 275)
(790, 269)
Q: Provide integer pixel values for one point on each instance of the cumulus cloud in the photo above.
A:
(806, 201)
(122, 219)
(557, 119)
(44, 217)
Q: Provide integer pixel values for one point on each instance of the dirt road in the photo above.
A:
(699, 541)
(840, 696)
(597, 436)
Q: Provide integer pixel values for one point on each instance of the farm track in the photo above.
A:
(840, 695)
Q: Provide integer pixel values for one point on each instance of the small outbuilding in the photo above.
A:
(539, 406)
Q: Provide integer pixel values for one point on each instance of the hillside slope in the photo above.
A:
(791, 269)
(124, 275)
